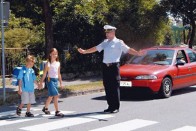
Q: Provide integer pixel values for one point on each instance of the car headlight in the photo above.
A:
(146, 77)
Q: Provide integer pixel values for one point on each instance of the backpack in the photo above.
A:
(15, 73)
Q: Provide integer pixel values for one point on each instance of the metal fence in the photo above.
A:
(13, 58)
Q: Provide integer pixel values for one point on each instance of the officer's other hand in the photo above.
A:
(142, 52)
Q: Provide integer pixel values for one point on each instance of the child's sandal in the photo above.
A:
(29, 114)
(58, 113)
(46, 111)
(18, 111)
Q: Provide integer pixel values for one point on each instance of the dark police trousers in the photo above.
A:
(111, 82)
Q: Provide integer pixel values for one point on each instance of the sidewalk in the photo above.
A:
(78, 81)
(82, 80)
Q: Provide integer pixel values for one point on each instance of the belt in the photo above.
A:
(110, 64)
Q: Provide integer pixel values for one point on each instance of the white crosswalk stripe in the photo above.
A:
(19, 119)
(127, 126)
(66, 122)
(186, 128)
(77, 119)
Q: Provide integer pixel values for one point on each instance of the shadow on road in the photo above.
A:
(146, 95)
(83, 115)
(184, 91)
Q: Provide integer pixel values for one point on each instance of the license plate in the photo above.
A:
(126, 83)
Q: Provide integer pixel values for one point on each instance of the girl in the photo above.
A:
(52, 69)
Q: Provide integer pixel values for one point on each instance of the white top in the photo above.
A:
(53, 69)
(112, 50)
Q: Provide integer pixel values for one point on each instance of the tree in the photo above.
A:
(185, 9)
(142, 23)
(48, 26)
(40, 12)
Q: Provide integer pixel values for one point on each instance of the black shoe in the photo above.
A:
(111, 110)
(18, 111)
(107, 110)
(58, 113)
(46, 111)
(29, 114)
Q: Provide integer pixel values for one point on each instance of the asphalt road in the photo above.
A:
(84, 113)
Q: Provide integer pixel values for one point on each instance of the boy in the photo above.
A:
(26, 79)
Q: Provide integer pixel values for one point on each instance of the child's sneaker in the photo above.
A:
(29, 114)
(18, 111)
(46, 111)
(58, 113)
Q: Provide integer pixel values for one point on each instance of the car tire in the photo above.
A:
(166, 88)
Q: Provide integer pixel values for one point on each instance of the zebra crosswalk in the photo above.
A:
(186, 128)
(71, 119)
(127, 126)
(65, 123)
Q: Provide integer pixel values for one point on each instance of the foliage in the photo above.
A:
(80, 23)
(140, 17)
(31, 9)
(184, 9)
(72, 29)
(92, 10)
(21, 35)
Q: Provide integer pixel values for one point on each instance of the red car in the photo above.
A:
(161, 69)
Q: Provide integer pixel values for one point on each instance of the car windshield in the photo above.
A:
(154, 57)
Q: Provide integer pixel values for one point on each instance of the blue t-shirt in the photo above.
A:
(27, 75)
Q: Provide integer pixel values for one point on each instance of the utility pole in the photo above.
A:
(4, 21)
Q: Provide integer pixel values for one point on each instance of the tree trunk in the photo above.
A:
(192, 33)
(184, 36)
(48, 27)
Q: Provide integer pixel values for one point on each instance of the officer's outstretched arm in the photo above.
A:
(87, 51)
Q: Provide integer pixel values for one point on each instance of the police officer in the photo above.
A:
(113, 48)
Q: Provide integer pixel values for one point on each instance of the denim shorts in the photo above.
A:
(52, 85)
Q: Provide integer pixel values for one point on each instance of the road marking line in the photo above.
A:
(186, 128)
(13, 121)
(67, 122)
(127, 125)
(20, 119)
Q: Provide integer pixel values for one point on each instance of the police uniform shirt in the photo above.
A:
(112, 50)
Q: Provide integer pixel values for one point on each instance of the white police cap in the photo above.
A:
(109, 27)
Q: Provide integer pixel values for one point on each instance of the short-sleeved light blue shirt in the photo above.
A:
(112, 50)
(27, 75)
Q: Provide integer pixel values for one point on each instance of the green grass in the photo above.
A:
(91, 85)
(7, 82)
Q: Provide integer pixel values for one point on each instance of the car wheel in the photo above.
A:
(166, 87)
